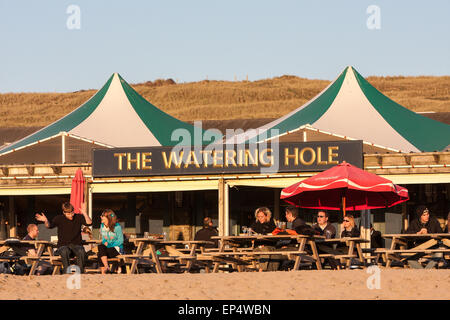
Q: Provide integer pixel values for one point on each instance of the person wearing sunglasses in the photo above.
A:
(349, 228)
(112, 239)
(323, 227)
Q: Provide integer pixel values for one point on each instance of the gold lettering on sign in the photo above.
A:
(137, 161)
(217, 158)
(240, 157)
(119, 160)
(288, 156)
(146, 160)
(252, 157)
(319, 157)
(262, 160)
(313, 156)
(172, 157)
(206, 155)
(232, 158)
(192, 159)
(331, 155)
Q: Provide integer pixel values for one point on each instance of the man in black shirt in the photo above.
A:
(69, 233)
(205, 233)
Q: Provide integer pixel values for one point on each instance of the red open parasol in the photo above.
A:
(345, 187)
(77, 192)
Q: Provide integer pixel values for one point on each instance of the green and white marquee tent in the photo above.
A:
(116, 116)
(350, 108)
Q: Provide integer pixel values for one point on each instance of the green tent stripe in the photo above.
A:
(309, 114)
(158, 122)
(424, 133)
(67, 123)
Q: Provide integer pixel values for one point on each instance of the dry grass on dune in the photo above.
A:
(209, 100)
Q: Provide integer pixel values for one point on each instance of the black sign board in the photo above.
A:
(263, 158)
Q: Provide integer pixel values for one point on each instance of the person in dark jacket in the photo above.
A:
(205, 233)
(298, 224)
(376, 241)
(323, 227)
(264, 223)
(424, 223)
(349, 228)
(69, 233)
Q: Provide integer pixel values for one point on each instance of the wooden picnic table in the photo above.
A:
(141, 244)
(239, 241)
(40, 245)
(351, 244)
(193, 246)
(399, 246)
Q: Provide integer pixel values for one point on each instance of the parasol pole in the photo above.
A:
(343, 204)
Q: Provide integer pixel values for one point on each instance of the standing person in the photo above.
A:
(112, 239)
(205, 233)
(69, 233)
(349, 228)
(323, 227)
(424, 223)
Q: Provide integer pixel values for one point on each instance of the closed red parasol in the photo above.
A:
(345, 187)
(77, 192)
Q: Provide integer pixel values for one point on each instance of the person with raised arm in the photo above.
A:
(69, 233)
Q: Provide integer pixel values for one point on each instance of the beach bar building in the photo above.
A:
(164, 175)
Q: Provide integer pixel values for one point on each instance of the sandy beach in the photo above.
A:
(310, 285)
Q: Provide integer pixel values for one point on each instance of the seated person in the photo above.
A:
(205, 233)
(298, 225)
(69, 234)
(264, 224)
(349, 228)
(424, 223)
(323, 227)
(43, 266)
(112, 239)
(376, 241)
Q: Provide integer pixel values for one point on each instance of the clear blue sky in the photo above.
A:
(192, 40)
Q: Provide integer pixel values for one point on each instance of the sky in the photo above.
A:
(45, 46)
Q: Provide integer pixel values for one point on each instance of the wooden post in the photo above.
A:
(12, 218)
(221, 207)
(404, 216)
(276, 204)
(226, 210)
